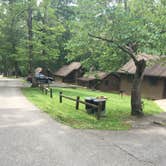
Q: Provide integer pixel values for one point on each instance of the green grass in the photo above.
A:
(117, 108)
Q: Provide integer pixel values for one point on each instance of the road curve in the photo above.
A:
(29, 137)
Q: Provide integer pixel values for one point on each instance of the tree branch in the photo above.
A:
(100, 38)
(163, 31)
(125, 48)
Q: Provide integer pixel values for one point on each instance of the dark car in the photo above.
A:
(41, 78)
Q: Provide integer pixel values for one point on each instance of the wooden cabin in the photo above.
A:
(110, 83)
(100, 81)
(154, 82)
(69, 73)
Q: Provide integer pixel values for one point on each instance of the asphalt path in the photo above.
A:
(29, 137)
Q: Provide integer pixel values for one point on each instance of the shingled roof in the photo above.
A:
(156, 67)
(67, 69)
(93, 76)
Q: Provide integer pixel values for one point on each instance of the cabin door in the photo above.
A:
(164, 92)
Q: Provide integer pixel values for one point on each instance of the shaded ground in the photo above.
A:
(29, 137)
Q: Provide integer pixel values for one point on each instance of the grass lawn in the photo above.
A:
(117, 108)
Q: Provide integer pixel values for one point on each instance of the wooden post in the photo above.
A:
(43, 89)
(60, 97)
(121, 93)
(46, 91)
(99, 110)
(39, 86)
(77, 102)
(51, 93)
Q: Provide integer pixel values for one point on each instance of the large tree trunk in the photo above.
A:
(136, 104)
(30, 36)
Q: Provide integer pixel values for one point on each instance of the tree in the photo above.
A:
(10, 36)
(64, 11)
(48, 30)
(32, 36)
(129, 30)
(91, 16)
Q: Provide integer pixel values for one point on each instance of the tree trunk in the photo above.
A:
(44, 30)
(30, 36)
(30, 46)
(136, 103)
(125, 5)
(5, 66)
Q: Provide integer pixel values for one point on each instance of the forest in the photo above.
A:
(101, 34)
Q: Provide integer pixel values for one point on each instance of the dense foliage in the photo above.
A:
(60, 32)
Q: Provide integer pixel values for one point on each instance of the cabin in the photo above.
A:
(69, 73)
(154, 82)
(103, 81)
(110, 83)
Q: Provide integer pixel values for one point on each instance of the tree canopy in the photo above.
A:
(61, 32)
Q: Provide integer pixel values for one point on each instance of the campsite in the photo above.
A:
(82, 82)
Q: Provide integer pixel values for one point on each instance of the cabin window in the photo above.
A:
(153, 81)
(106, 82)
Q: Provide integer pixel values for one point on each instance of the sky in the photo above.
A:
(38, 2)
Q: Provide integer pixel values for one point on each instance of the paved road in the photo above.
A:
(29, 137)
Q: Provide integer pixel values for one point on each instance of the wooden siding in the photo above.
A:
(151, 88)
(110, 84)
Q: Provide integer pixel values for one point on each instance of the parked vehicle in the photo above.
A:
(40, 77)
